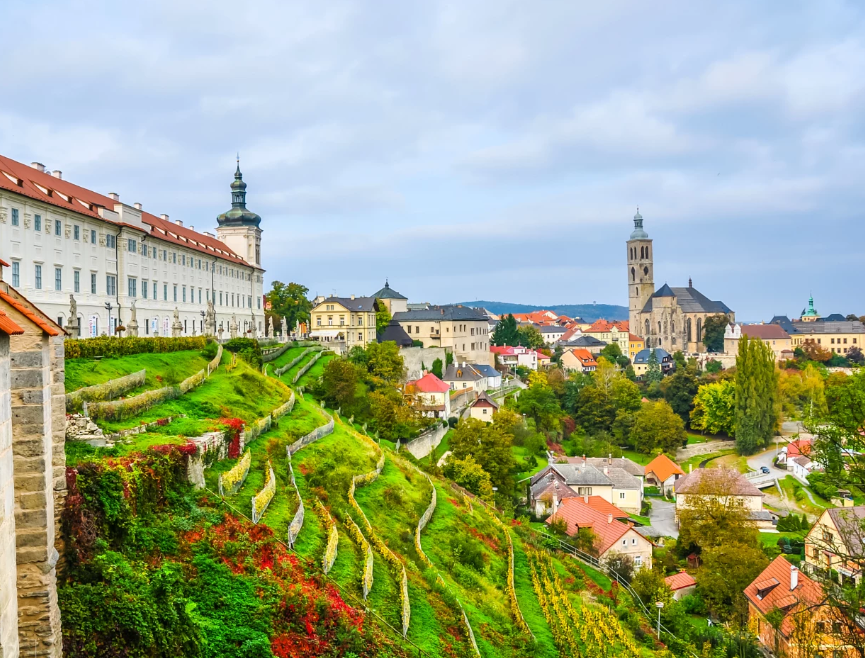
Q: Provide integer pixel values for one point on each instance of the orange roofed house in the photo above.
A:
(432, 396)
(807, 626)
(612, 537)
(578, 359)
(662, 472)
(616, 332)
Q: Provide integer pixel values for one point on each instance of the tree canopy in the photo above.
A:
(289, 301)
(714, 328)
(757, 402)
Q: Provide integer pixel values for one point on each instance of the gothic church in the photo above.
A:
(670, 318)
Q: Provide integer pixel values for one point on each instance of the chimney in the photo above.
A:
(57, 174)
(191, 227)
(610, 458)
(164, 216)
(137, 205)
(114, 196)
(352, 297)
(794, 577)
(179, 222)
(586, 499)
(584, 461)
(606, 471)
(38, 166)
(555, 496)
(609, 518)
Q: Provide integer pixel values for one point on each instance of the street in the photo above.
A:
(663, 517)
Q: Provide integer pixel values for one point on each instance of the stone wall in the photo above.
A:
(418, 358)
(8, 596)
(107, 391)
(424, 444)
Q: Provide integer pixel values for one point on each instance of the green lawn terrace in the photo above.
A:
(163, 369)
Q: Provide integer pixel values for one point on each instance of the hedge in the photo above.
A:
(109, 390)
(106, 346)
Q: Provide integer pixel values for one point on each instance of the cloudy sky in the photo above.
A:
(474, 149)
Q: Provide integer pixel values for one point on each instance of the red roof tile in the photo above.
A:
(579, 515)
(429, 383)
(663, 467)
(8, 326)
(680, 580)
(780, 596)
(764, 331)
(34, 316)
(600, 326)
(63, 194)
(799, 447)
(585, 357)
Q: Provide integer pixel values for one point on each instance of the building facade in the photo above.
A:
(72, 250)
(344, 322)
(671, 318)
(463, 329)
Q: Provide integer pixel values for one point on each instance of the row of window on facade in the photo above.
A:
(230, 299)
(133, 247)
(341, 321)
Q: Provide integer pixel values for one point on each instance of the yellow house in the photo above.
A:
(393, 301)
(635, 346)
(832, 541)
(344, 322)
(611, 332)
(463, 329)
(836, 336)
(724, 485)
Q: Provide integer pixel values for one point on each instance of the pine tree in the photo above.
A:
(757, 400)
(506, 332)
(653, 368)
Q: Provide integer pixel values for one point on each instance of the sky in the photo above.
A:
(487, 149)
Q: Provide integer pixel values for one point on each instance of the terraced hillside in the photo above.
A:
(427, 564)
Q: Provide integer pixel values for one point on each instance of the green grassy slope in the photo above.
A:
(162, 369)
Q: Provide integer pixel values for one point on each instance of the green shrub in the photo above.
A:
(210, 349)
(106, 346)
(247, 349)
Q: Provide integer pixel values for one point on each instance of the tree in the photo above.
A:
(679, 359)
(802, 393)
(725, 573)
(657, 427)
(339, 383)
(530, 336)
(837, 361)
(757, 400)
(290, 302)
(385, 361)
(653, 369)
(854, 355)
(390, 415)
(715, 408)
(382, 316)
(437, 368)
(490, 446)
(852, 317)
(505, 332)
(680, 389)
(714, 328)
(469, 474)
(611, 352)
(358, 356)
(713, 366)
(650, 586)
(815, 352)
(621, 564)
(539, 402)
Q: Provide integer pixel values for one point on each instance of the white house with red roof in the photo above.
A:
(520, 356)
(483, 408)
(431, 394)
(681, 584)
(62, 239)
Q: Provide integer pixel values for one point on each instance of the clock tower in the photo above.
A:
(641, 275)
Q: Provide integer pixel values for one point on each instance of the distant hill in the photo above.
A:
(589, 312)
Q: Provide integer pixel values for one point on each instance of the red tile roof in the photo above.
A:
(570, 333)
(60, 193)
(663, 467)
(20, 304)
(771, 590)
(579, 515)
(429, 383)
(585, 357)
(603, 506)
(599, 326)
(635, 339)
(680, 580)
(8, 326)
(799, 447)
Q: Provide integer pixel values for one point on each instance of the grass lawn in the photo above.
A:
(795, 491)
(734, 461)
(162, 369)
(637, 457)
(696, 438)
(771, 538)
(694, 462)
(315, 372)
(78, 451)
(520, 455)
(642, 520)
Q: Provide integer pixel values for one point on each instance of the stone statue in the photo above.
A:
(72, 326)
(232, 328)
(284, 327)
(210, 319)
(133, 320)
(272, 327)
(297, 329)
(176, 326)
(253, 328)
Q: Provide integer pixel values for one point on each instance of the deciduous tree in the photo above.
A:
(385, 362)
(757, 400)
(490, 446)
(382, 317)
(339, 383)
(715, 408)
(657, 427)
(289, 301)
(713, 332)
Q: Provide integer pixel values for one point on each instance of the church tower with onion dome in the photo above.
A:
(641, 275)
(239, 227)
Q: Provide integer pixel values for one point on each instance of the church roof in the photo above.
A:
(689, 299)
(387, 293)
(639, 233)
(239, 215)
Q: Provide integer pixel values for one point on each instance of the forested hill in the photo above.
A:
(589, 312)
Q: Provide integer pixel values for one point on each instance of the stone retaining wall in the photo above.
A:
(109, 390)
(424, 444)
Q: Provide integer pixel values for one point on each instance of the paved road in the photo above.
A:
(663, 517)
(757, 461)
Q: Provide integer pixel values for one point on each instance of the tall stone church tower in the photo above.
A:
(239, 228)
(641, 274)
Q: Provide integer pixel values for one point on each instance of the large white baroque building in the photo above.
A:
(63, 240)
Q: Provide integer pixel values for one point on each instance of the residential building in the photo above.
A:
(797, 448)
(463, 329)
(392, 300)
(483, 408)
(837, 337)
(552, 333)
(493, 376)
(431, 395)
(464, 376)
(612, 483)
(513, 357)
(662, 472)
(394, 332)
(807, 624)
(772, 334)
(537, 317)
(544, 361)
(835, 544)
(641, 360)
(64, 240)
(671, 318)
(801, 467)
(579, 360)
(681, 584)
(725, 486)
(612, 538)
(611, 332)
(635, 346)
(344, 322)
(588, 343)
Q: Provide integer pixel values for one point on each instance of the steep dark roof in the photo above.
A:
(394, 332)
(584, 341)
(643, 355)
(824, 327)
(458, 373)
(784, 322)
(690, 300)
(437, 313)
(387, 293)
(835, 317)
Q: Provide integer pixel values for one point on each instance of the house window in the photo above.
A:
(16, 273)
(58, 227)
(409, 329)
(175, 292)
(584, 491)
(110, 285)
(360, 336)
(132, 286)
(165, 292)
(144, 288)
(174, 257)
(38, 277)
(37, 222)
(184, 293)
(183, 260)
(92, 236)
(624, 542)
(93, 283)
(111, 241)
(259, 302)
(132, 245)
(621, 495)
(15, 219)
(638, 560)
(220, 301)
(76, 280)
(634, 541)
(76, 232)
(58, 278)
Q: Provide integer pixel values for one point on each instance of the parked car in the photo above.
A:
(765, 469)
